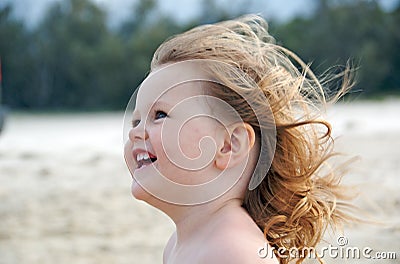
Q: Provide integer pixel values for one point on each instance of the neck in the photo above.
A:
(190, 220)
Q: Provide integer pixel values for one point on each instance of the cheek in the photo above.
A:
(189, 141)
(197, 141)
(165, 146)
(156, 141)
(176, 144)
(183, 147)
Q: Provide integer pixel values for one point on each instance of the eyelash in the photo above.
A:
(136, 122)
(159, 112)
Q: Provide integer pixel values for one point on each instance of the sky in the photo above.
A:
(31, 11)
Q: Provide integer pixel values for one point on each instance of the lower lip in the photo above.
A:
(144, 166)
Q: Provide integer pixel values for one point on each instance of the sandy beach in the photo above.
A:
(65, 191)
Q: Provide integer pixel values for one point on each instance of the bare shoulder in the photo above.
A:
(237, 247)
(168, 248)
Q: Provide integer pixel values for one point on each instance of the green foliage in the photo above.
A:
(72, 60)
(16, 59)
(355, 30)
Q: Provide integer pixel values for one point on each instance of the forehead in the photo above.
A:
(172, 83)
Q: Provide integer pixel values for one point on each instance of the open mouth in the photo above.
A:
(144, 159)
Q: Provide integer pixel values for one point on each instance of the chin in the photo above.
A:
(141, 194)
(138, 192)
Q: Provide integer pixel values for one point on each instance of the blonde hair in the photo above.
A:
(299, 196)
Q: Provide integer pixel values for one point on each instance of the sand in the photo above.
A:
(65, 192)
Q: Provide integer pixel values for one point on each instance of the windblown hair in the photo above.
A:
(301, 194)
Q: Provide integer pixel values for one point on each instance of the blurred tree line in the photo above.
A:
(74, 60)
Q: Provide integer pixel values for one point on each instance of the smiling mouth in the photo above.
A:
(144, 159)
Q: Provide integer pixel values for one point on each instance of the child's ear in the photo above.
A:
(235, 145)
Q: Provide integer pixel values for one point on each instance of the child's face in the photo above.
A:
(173, 134)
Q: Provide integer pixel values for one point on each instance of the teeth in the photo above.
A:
(142, 156)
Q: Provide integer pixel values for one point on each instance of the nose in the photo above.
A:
(138, 133)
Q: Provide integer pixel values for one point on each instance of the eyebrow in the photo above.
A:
(161, 103)
(158, 103)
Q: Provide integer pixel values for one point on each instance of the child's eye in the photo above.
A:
(160, 114)
(135, 122)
